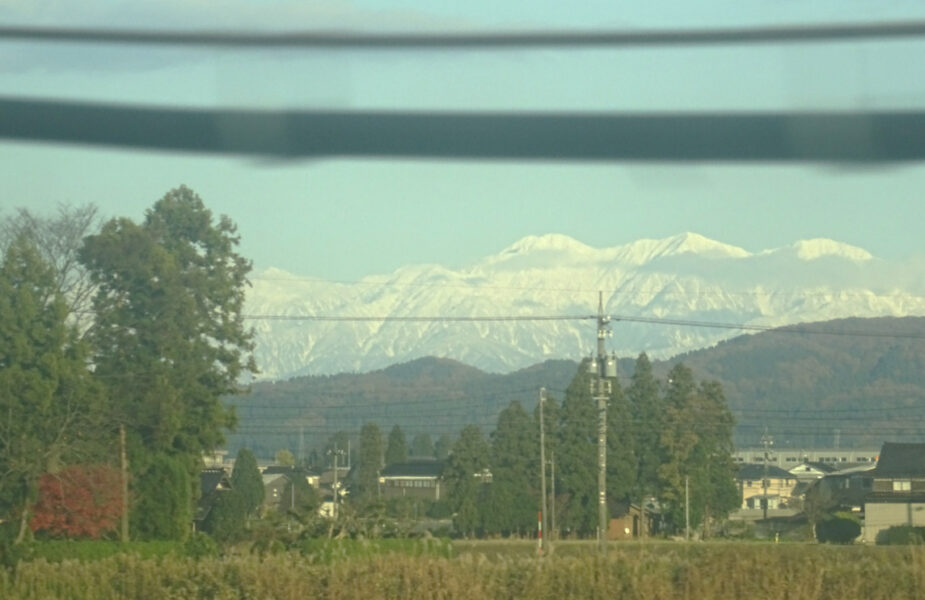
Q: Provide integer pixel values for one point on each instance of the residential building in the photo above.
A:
(212, 482)
(274, 490)
(776, 495)
(787, 458)
(897, 494)
(417, 478)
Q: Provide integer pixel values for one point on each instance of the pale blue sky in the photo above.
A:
(348, 218)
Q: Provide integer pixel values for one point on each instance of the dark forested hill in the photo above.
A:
(850, 381)
(860, 380)
(427, 395)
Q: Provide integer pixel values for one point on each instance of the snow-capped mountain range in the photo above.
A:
(684, 277)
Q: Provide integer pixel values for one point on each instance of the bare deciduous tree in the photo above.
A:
(59, 238)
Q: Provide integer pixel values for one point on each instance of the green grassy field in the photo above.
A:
(490, 570)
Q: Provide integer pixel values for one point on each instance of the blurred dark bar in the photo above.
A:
(656, 137)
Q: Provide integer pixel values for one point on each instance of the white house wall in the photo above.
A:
(880, 516)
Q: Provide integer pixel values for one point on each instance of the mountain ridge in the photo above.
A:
(687, 277)
(808, 388)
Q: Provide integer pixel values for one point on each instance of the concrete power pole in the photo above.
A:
(767, 441)
(544, 531)
(335, 453)
(123, 471)
(603, 370)
(552, 480)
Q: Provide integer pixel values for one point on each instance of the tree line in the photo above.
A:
(660, 434)
(118, 326)
(136, 328)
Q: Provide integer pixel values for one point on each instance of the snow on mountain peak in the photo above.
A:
(549, 241)
(646, 250)
(819, 247)
(686, 276)
(694, 243)
(538, 251)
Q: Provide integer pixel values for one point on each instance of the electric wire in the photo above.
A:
(788, 329)
(495, 40)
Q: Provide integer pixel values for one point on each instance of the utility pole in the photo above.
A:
(123, 462)
(603, 370)
(335, 452)
(552, 480)
(687, 508)
(543, 530)
(767, 441)
(301, 462)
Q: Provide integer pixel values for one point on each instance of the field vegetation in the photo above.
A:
(488, 570)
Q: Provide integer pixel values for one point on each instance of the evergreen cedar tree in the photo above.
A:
(227, 518)
(397, 451)
(49, 405)
(696, 442)
(443, 446)
(369, 461)
(247, 481)
(422, 446)
(163, 499)
(471, 454)
(657, 435)
(169, 339)
(514, 487)
(80, 501)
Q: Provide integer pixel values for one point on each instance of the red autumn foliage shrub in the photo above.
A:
(79, 501)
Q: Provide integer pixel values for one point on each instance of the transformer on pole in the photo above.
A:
(603, 371)
(541, 540)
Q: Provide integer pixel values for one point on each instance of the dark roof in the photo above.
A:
(825, 467)
(753, 471)
(288, 470)
(901, 460)
(278, 470)
(210, 479)
(414, 468)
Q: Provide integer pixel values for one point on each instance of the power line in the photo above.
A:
(495, 40)
(791, 329)
(419, 319)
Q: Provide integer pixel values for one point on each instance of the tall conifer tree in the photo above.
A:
(648, 415)
(422, 446)
(49, 405)
(467, 462)
(515, 452)
(169, 334)
(247, 482)
(369, 461)
(397, 450)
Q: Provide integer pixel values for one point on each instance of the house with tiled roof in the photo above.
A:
(897, 494)
(212, 482)
(417, 478)
(777, 493)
